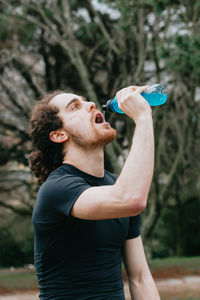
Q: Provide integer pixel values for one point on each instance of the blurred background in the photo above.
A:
(94, 48)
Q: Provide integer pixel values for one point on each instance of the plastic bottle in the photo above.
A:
(155, 95)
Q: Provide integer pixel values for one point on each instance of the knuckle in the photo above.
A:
(123, 101)
(118, 94)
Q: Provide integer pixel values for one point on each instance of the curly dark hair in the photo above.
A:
(46, 155)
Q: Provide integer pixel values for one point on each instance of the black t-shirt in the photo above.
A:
(77, 259)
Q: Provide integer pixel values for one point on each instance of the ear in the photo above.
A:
(58, 136)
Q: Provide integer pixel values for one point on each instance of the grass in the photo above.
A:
(18, 280)
(189, 263)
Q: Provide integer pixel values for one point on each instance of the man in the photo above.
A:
(84, 218)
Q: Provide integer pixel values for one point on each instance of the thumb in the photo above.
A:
(142, 88)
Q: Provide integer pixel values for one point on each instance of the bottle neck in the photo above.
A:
(106, 107)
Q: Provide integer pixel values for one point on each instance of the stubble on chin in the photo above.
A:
(96, 140)
(106, 136)
(97, 137)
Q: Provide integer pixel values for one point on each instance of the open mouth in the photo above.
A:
(98, 118)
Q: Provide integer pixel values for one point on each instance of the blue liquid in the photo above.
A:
(114, 106)
(155, 99)
(155, 95)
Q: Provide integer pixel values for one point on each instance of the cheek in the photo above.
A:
(78, 126)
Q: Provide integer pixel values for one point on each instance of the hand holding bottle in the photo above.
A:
(155, 95)
(132, 103)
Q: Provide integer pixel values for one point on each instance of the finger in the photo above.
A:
(142, 88)
(134, 87)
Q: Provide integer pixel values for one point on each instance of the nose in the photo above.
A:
(91, 106)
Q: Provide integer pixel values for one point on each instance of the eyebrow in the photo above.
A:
(74, 100)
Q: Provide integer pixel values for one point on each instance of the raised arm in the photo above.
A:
(128, 196)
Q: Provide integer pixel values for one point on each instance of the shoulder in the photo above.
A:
(59, 191)
(59, 181)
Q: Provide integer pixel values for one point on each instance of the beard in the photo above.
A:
(97, 138)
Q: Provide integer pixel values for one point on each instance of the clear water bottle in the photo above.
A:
(155, 95)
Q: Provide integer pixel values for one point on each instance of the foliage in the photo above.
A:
(176, 233)
(16, 243)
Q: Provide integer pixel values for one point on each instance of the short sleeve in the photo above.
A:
(60, 195)
(134, 227)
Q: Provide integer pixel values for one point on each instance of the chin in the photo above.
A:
(106, 137)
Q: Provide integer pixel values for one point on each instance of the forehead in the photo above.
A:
(63, 99)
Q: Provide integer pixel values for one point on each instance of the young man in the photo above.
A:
(85, 219)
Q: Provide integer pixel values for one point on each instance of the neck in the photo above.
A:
(86, 160)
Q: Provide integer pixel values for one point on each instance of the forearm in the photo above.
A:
(136, 175)
(144, 289)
